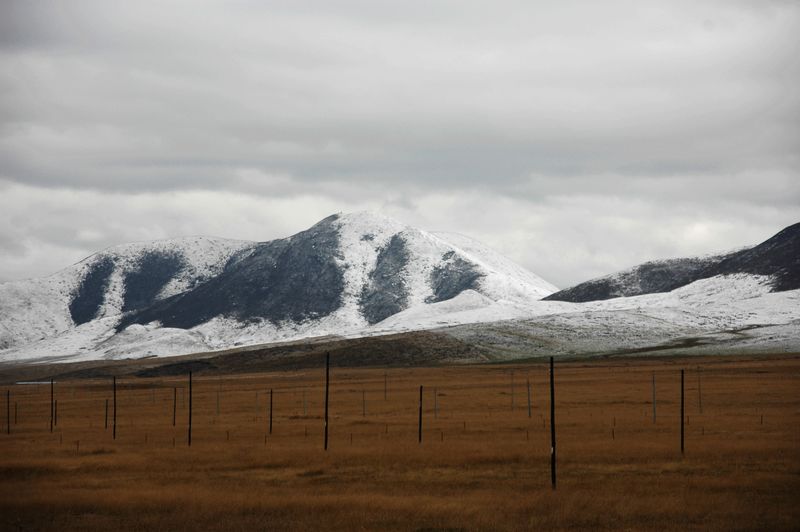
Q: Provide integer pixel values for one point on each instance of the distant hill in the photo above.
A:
(778, 257)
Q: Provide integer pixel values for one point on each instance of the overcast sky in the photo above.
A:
(575, 138)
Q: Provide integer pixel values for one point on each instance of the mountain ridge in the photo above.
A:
(347, 272)
(363, 275)
(778, 256)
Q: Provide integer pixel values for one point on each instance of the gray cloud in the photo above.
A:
(600, 135)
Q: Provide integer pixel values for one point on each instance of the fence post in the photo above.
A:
(189, 439)
(420, 415)
(327, 388)
(52, 407)
(682, 410)
(528, 382)
(552, 426)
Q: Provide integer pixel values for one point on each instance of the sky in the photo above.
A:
(576, 138)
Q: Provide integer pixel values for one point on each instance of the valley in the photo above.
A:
(483, 463)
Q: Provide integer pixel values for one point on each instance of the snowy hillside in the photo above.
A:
(37, 309)
(346, 276)
(777, 258)
(363, 274)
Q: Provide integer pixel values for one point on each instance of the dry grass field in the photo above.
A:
(483, 464)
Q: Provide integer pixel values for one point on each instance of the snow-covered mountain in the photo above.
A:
(778, 258)
(346, 275)
(363, 274)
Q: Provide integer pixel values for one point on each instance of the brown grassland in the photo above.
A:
(484, 464)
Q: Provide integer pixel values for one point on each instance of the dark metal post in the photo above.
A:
(327, 387)
(189, 440)
(552, 426)
(114, 420)
(52, 407)
(528, 382)
(174, 404)
(420, 415)
(682, 410)
(8, 411)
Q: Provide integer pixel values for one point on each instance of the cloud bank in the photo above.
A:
(577, 139)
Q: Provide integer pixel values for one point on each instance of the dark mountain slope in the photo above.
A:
(295, 278)
(778, 257)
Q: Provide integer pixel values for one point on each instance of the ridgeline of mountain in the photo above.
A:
(364, 275)
(777, 257)
(344, 274)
